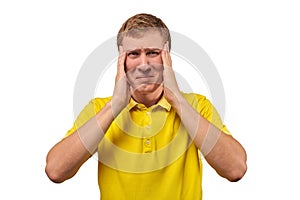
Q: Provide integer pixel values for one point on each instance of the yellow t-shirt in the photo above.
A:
(147, 153)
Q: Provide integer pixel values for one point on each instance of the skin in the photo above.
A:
(144, 67)
(147, 75)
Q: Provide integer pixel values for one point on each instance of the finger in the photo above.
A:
(121, 60)
(166, 57)
(166, 46)
(164, 54)
(120, 64)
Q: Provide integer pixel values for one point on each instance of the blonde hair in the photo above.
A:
(138, 24)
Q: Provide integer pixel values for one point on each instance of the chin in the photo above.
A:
(146, 88)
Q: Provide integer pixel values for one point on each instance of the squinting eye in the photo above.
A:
(153, 53)
(133, 54)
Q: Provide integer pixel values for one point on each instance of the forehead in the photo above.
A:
(151, 39)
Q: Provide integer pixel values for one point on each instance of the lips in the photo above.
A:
(146, 80)
(146, 77)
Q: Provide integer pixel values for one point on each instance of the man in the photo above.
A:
(149, 134)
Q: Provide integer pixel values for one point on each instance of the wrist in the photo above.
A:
(115, 107)
(177, 101)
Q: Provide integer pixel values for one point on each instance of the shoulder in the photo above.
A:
(93, 107)
(200, 103)
(203, 105)
(196, 99)
(99, 102)
(89, 111)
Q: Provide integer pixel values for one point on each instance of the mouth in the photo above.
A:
(144, 77)
(146, 80)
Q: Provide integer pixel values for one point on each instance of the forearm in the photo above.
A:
(227, 156)
(221, 151)
(67, 156)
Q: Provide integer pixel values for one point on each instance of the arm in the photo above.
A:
(220, 150)
(67, 156)
(225, 154)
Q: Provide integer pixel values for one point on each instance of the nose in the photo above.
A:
(144, 63)
(144, 59)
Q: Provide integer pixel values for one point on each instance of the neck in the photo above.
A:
(148, 99)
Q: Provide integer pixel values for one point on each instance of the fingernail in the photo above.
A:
(120, 49)
(166, 47)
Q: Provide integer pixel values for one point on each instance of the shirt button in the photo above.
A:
(147, 142)
(148, 127)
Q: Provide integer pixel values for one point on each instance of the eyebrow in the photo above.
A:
(145, 49)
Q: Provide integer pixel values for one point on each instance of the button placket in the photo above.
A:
(147, 145)
(148, 120)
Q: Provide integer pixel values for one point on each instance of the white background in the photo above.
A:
(255, 46)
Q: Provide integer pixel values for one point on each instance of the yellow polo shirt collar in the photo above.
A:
(162, 103)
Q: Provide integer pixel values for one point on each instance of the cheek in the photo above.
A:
(158, 64)
(133, 63)
(157, 60)
(130, 64)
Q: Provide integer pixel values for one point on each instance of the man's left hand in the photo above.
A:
(171, 89)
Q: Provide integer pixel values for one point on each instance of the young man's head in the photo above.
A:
(138, 24)
(143, 37)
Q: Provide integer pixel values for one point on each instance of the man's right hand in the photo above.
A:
(121, 94)
(67, 156)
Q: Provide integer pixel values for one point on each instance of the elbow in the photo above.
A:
(238, 173)
(53, 174)
(239, 169)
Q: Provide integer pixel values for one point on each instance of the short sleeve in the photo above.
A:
(207, 110)
(89, 111)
